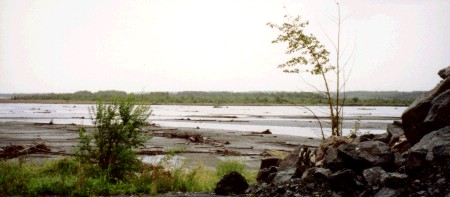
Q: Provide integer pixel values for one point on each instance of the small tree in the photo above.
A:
(312, 55)
(116, 136)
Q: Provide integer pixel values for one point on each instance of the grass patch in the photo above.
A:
(68, 177)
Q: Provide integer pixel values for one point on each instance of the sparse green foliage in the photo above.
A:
(116, 136)
(355, 131)
(71, 177)
(231, 165)
(311, 56)
(310, 51)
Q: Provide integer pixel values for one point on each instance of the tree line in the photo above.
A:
(223, 98)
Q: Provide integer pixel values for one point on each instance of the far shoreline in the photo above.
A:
(34, 101)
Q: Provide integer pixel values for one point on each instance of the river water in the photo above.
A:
(289, 120)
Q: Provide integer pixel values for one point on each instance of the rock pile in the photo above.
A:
(411, 159)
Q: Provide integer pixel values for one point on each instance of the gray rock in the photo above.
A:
(283, 176)
(333, 160)
(439, 114)
(401, 145)
(413, 118)
(266, 175)
(444, 73)
(394, 179)
(366, 154)
(268, 162)
(322, 174)
(385, 137)
(365, 137)
(232, 183)
(395, 131)
(434, 148)
(308, 175)
(343, 180)
(376, 178)
(387, 192)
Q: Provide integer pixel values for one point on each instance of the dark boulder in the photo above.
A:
(385, 137)
(333, 160)
(232, 183)
(439, 114)
(268, 162)
(433, 149)
(444, 73)
(268, 170)
(266, 175)
(285, 175)
(377, 178)
(322, 174)
(295, 164)
(414, 118)
(344, 180)
(366, 154)
(395, 131)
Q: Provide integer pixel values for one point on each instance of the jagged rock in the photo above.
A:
(399, 161)
(343, 180)
(332, 159)
(376, 178)
(396, 131)
(365, 137)
(295, 164)
(268, 170)
(366, 154)
(268, 162)
(413, 118)
(289, 161)
(439, 114)
(308, 175)
(232, 183)
(387, 192)
(401, 145)
(444, 73)
(266, 175)
(322, 174)
(385, 137)
(434, 148)
(373, 176)
(283, 176)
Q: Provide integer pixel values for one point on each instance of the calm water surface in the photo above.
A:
(279, 119)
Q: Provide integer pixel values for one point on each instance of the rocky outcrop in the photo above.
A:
(429, 112)
(432, 150)
(444, 73)
(411, 159)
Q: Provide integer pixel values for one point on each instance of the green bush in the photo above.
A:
(116, 136)
(229, 166)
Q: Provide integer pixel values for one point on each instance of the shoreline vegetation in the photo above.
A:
(353, 98)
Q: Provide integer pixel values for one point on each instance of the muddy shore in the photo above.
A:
(205, 146)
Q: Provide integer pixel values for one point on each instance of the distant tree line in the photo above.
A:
(224, 98)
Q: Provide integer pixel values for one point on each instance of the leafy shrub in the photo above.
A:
(116, 136)
(229, 166)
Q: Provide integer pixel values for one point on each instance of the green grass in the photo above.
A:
(68, 177)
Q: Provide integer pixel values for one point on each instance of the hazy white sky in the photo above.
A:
(208, 45)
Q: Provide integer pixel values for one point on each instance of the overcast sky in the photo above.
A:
(208, 45)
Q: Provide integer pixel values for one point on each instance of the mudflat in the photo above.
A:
(193, 146)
